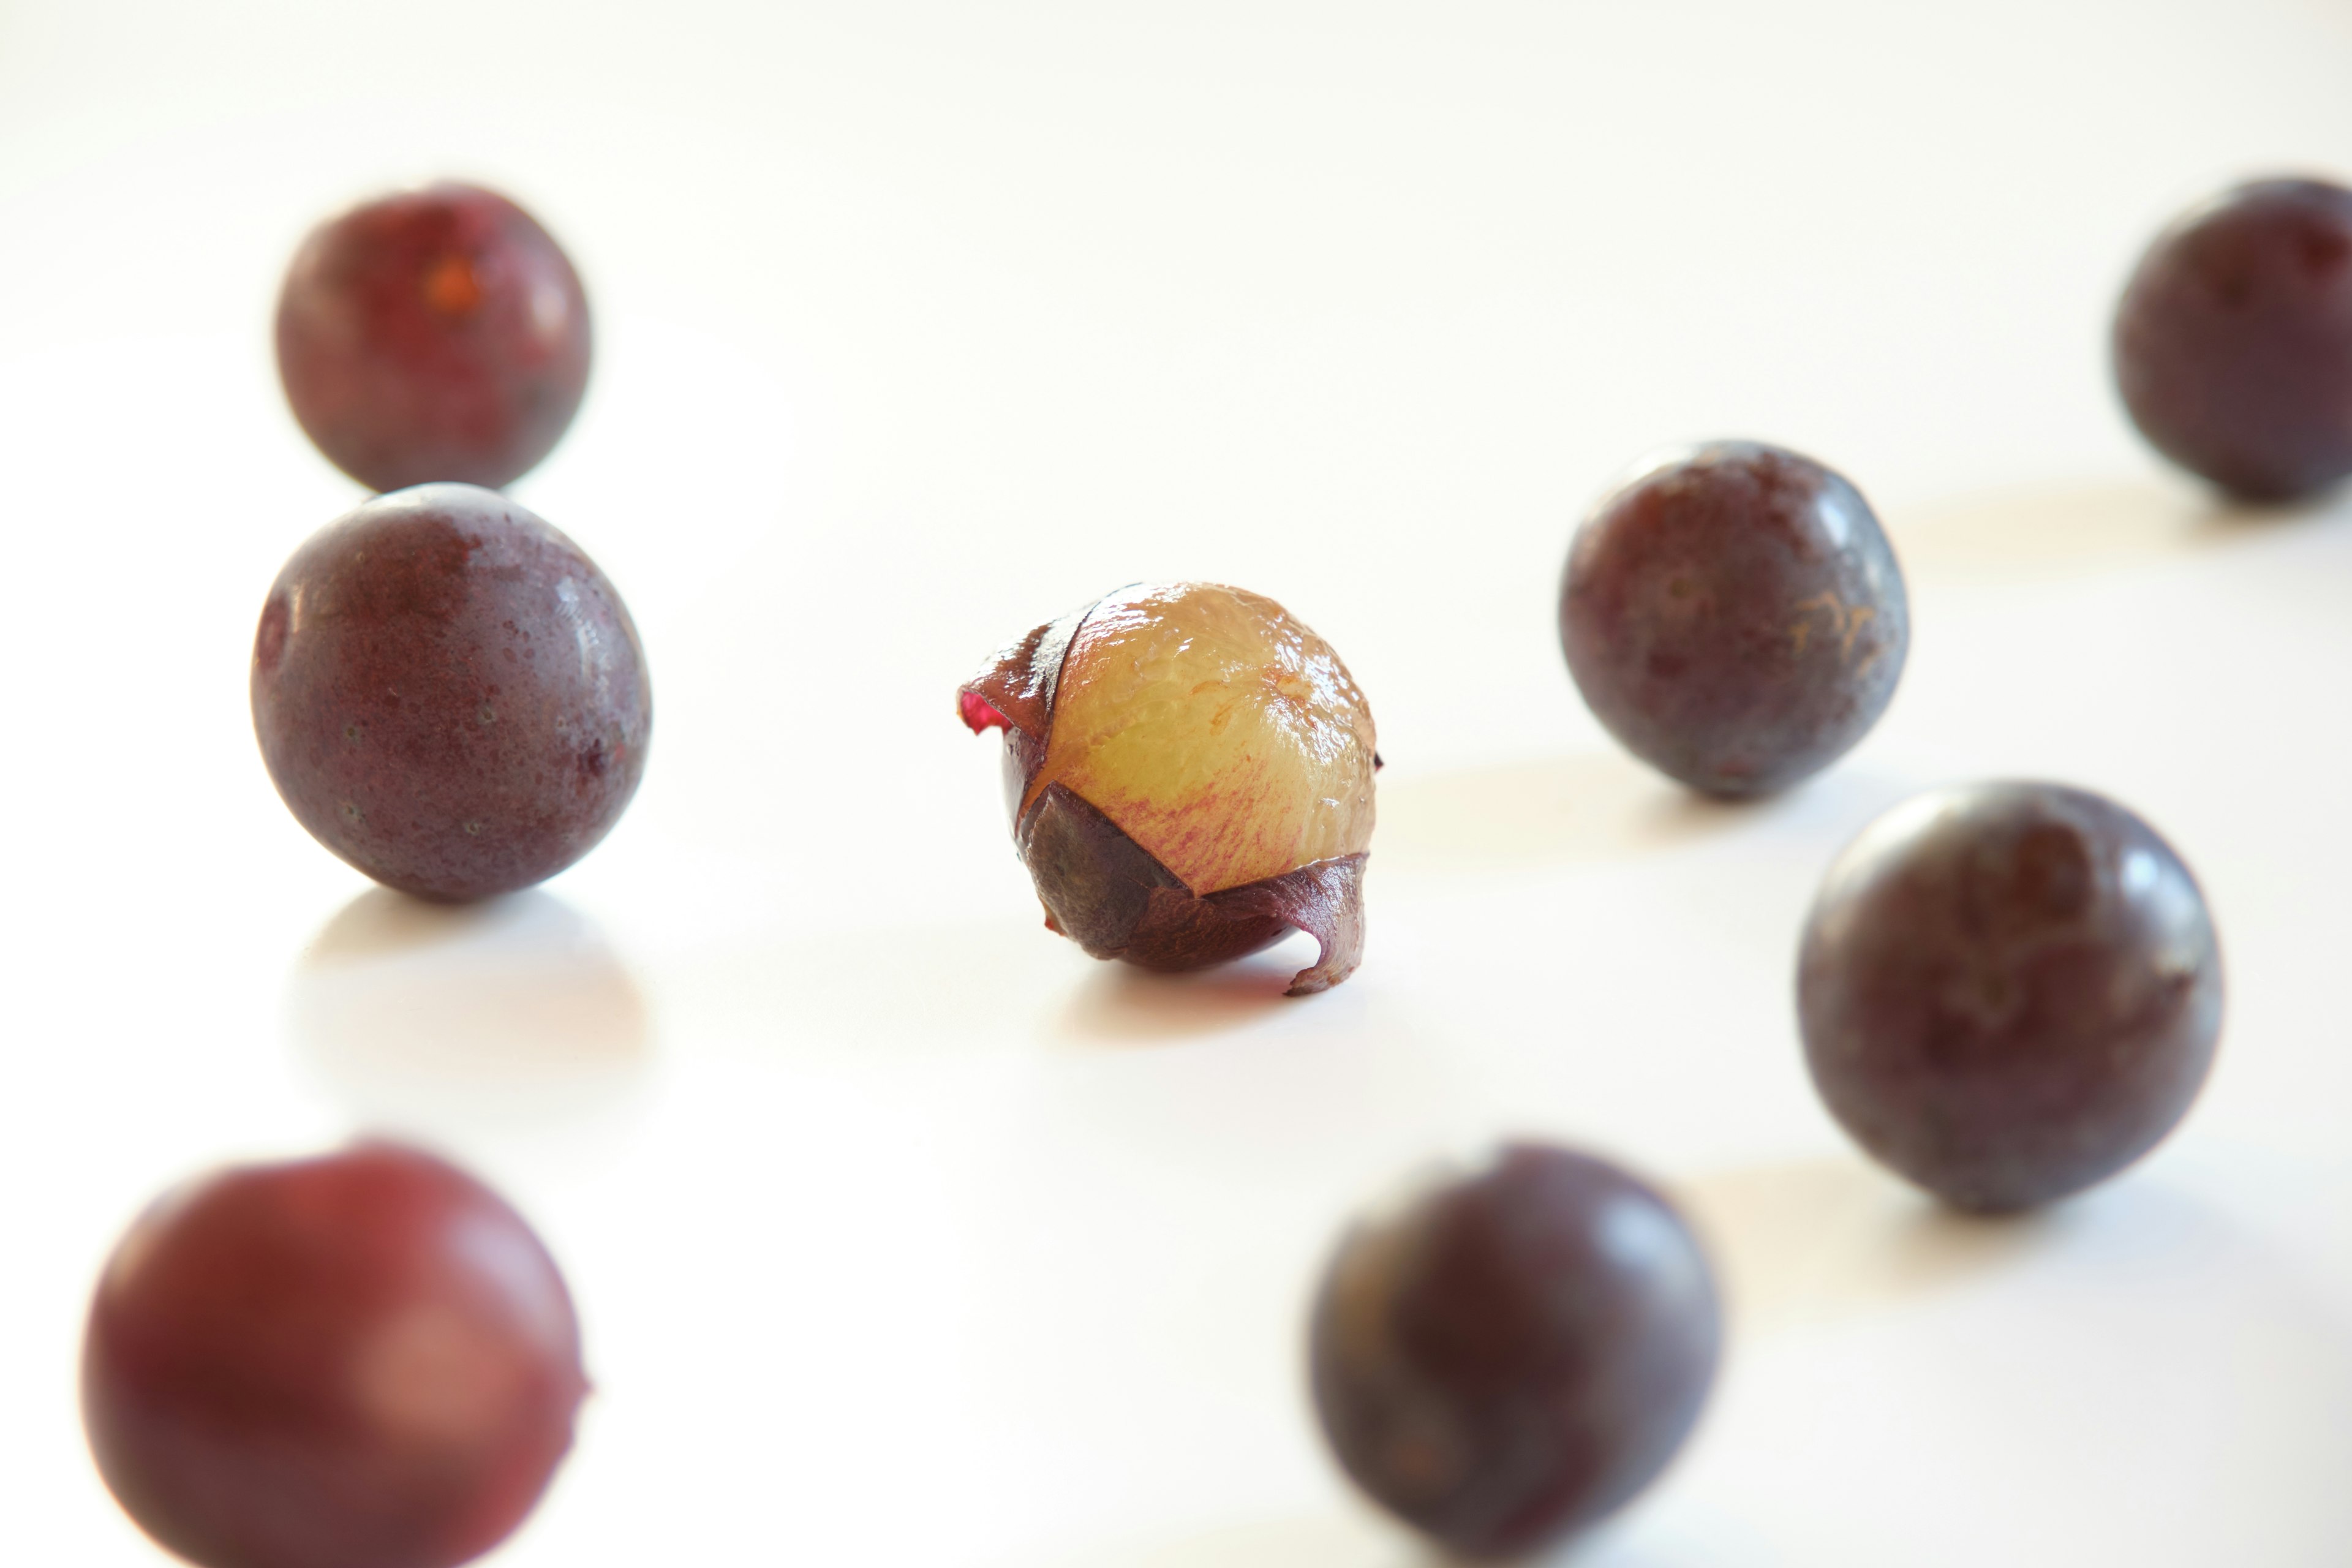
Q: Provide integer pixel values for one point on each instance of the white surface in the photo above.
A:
(904, 1234)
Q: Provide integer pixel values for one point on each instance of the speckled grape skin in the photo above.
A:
(362, 1361)
(1511, 1355)
(1735, 617)
(2009, 992)
(448, 694)
(2233, 340)
(434, 334)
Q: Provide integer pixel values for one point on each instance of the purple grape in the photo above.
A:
(2233, 340)
(1734, 614)
(2009, 992)
(1515, 1353)
(448, 694)
(363, 1361)
(435, 334)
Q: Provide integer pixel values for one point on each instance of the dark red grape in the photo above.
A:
(1734, 615)
(362, 1361)
(2234, 341)
(1515, 1353)
(448, 694)
(2009, 992)
(435, 334)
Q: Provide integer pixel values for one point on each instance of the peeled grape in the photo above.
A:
(448, 694)
(2233, 340)
(434, 334)
(361, 1360)
(1513, 1353)
(2009, 992)
(1191, 777)
(1734, 615)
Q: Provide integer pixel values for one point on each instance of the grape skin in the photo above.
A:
(1735, 617)
(448, 694)
(361, 1360)
(434, 334)
(2009, 992)
(1513, 1354)
(2233, 341)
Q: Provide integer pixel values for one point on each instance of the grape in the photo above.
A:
(361, 1360)
(1188, 772)
(1513, 1354)
(2233, 340)
(2009, 992)
(448, 694)
(1733, 614)
(435, 334)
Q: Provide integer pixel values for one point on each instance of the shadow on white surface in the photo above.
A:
(1121, 1004)
(1810, 1240)
(1329, 1541)
(1586, 806)
(2139, 1377)
(915, 990)
(1360, 1537)
(457, 1021)
(2076, 530)
(979, 985)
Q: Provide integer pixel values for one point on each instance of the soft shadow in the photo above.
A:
(450, 1020)
(1815, 1239)
(1121, 1004)
(913, 991)
(1359, 1538)
(960, 990)
(2056, 531)
(1588, 806)
(1354, 1540)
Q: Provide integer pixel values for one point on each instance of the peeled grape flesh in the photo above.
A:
(434, 334)
(448, 693)
(1511, 1354)
(2233, 340)
(1189, 773)
(1734, 615)
(361, 1360)
(2009, 992)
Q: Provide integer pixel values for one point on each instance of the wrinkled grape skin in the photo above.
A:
(1513, 1354)
(1734, 615)
(1103, 891)
(434, 334)
(2009, 992)
(448, 694)
(2233, 340)
(361, 1360)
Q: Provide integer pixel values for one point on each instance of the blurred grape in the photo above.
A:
(1513, 1354)
(434, 334)
(2233, 340)
(361, 1360)
(2009, 992)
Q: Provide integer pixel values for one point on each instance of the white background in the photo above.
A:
(902, 1232)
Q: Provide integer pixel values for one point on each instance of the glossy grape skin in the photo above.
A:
(2009, 992)
(361, 1360)
(2233, 340)
(434, 334)
(448, 694)
(1513, 1354)
(1734, 615)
